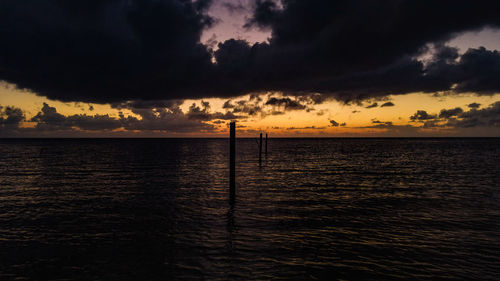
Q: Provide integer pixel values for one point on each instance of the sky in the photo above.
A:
(291, 68)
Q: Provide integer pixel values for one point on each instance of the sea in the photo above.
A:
(311, 209)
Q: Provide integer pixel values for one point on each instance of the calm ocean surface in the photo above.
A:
(157, 209)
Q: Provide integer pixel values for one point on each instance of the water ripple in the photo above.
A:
(320, 209)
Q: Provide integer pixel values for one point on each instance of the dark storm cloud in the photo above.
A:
(102, 51)
(358, 49)
(264, 15)
(147, 104)
(354, 50)
(125, 50)
(477, 70)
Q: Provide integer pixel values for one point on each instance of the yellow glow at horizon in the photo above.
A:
(31, 103)
(405, 106)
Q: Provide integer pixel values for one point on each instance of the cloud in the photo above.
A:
(236, 7)
(147, 104)
(486, 117)
(10, 116)
(457, 118)
(286, 103)
(339, 47)
(474, 105)
(312, 99)
(204, 114)
(447, 113)
(227, 104)
(275, 104)
(104, 51)
(393, 129)
(321, 112)
(250, 107)
(421, 115)
(306, 128)
(373, 105)
(162, 119)
(334, 123)
(478, 71)
(172, 120)
(387, 104)
(475, 71)
(376, 121)
(264, 14)
(149, 50)
(49, 119)
(10, 119)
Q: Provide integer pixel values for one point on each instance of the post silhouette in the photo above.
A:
(266, 146)
(232, 160)
(260, 150)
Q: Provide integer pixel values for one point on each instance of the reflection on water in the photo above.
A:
(158, 209)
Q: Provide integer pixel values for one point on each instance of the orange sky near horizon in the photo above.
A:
(296, 123)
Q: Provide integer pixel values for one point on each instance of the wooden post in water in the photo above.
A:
(260, 150)
(266, 145)
(232, 161)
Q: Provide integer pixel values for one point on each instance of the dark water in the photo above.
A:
(157, 209)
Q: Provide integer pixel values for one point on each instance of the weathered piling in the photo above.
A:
(260, 150)
(232, 161)
(266, 146)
